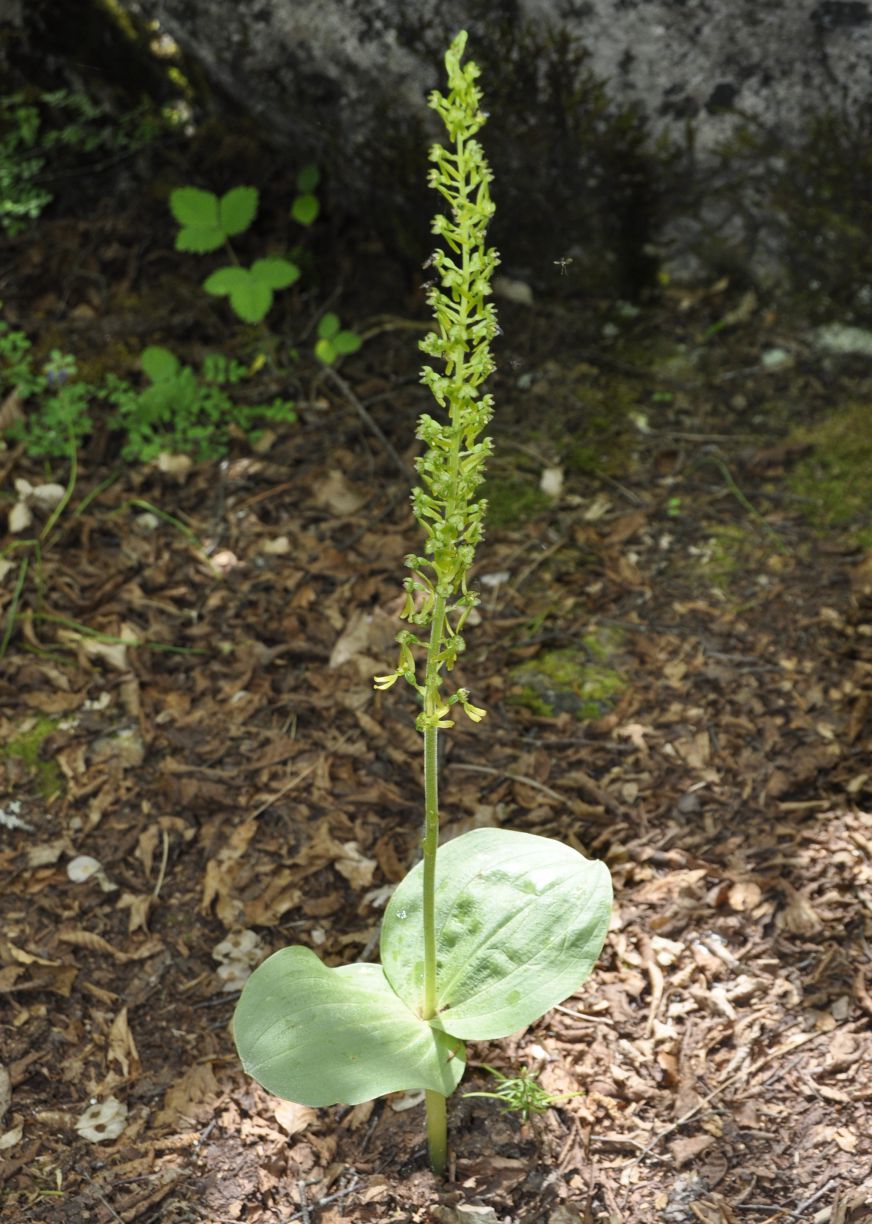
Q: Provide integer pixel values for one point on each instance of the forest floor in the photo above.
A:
(676, 660)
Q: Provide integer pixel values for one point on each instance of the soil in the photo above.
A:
(187, 699)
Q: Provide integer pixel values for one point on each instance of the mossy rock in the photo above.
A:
(579, 680)
(26, 747)
(835, 480)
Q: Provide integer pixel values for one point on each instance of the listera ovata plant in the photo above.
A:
(489, 931)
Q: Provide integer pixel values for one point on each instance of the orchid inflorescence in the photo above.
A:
(452, 467)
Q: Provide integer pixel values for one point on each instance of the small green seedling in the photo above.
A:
(492, 929)
(333, 340)
(180, 410)
(208, 222)
(522, 1094)
(183, 412)
(62, 416)
(306, 207)
(43, 134)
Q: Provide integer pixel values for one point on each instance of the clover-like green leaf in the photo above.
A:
(252, 300)
(328, 325)
(197, 213)
(323, 1036)
(276, 273)
(224, 281)
(159, 363)
(305, 209)
(308, 178)
(237, 209)
(520, 921)
(192, 206)
(199, 241)
(347, 342)
(325, 352)
(249, 296)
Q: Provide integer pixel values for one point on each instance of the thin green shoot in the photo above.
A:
(12, 613)
(141, 504)
(111, 639)
(65, 500)
(522, 1094)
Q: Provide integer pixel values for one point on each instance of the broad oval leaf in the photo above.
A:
(194, 207)
(276, 273)
(321, 1036)
(238, 209)
(520, 921)
(159, 363)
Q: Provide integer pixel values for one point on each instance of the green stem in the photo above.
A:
(437, 1131)
(12, 613)
(431, 844)
(68, 493)
(437, 1126)
(431, 805)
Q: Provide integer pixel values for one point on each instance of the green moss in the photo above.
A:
(583, 458)
(26, 747)
(603, 643)
(725, 553)
(598, 433)
(602, 406)
(572, 680)
(512, 500)
(835, 480)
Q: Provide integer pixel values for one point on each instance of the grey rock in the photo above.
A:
(318, 67)
(345, 81)
(845, 340)
(11, 12)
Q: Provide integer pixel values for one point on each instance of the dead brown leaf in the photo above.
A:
(336, 494)
(686, 1149)
(713, 1209)
(122, 1047)
(194, 1098)
(5, 1092)
(93, 942)
(355, 866)
(139, 906)
(744, 895)
(293, 1118)
(799, 915)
